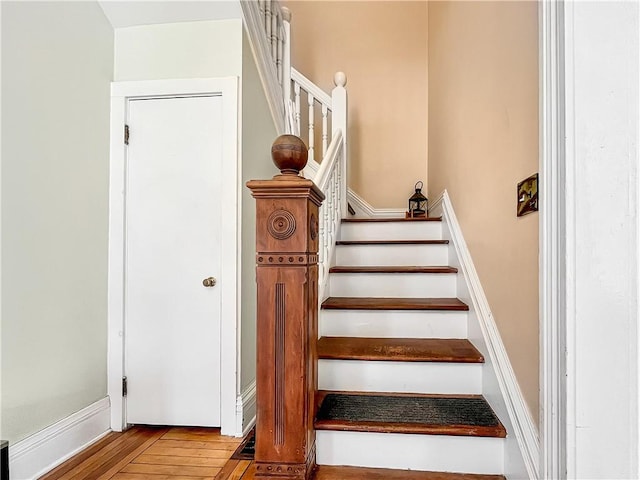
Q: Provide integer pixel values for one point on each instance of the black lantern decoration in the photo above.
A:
(418, 203)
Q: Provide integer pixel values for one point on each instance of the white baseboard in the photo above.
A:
(43, 451)
(523, 435)
(363, 209)
(246, 410)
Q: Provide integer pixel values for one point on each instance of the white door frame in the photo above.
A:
(121, 93)
(556, 219)
(565, 408)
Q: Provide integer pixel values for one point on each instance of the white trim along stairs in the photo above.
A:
(383, 332)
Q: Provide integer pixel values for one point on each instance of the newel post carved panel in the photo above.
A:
(287, 323)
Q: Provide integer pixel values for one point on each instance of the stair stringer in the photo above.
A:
(499, 384)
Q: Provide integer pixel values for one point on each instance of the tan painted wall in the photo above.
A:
(382, 47)
(483, 139)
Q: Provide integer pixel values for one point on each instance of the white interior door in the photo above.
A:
(172, 321)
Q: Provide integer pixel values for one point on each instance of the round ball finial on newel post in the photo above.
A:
(340, 79)
(289, 154)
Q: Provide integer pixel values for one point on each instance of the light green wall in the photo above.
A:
(58, 59)
(258, 133)
(57, 62)
(179, 50)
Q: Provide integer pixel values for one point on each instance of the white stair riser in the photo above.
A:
(394, 255)
(403, 377)
(391, 231)
(439, 453)
(393, 324)
(410, 285)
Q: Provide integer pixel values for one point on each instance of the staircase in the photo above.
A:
(399, 384)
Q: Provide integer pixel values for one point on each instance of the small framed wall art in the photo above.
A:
(528, 195)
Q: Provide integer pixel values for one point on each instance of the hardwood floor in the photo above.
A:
(178, 453)
(152, 453)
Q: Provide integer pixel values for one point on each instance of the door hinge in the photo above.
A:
(124, 386)
(126, 134)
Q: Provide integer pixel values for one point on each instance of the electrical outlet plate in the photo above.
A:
(528, 195)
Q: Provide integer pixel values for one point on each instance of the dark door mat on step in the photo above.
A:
(341, 411)
(247, 449)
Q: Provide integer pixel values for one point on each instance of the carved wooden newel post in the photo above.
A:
(287, 329)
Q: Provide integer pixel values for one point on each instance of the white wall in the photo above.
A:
(179, 50)
(602, 56)
(57, 62)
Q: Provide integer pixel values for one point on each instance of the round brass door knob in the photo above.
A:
(209, 282)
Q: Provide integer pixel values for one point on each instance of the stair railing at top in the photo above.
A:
(332, 108)
(277, 25)
(269, 28)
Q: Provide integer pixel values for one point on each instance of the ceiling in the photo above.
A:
(132, 13)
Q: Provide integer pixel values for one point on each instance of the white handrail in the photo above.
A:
(308, 86)
(329, 180)
(328, 162)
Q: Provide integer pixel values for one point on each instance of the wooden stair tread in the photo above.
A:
(459, 415)
(391, 269)
(326, 472)
(392, 242)
(458, 350)
(391, 219)
(387, 303)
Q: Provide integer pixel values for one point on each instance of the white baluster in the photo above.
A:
(333, 208)
(325, 242)
(274, 36)
(339, 176)
(267, 19)
(296, 92)
(311, 101)
(334, 195)
(339, 121)
(279, 60)
(286, 54)
(263, 9)
(321, 235)
(325, 129)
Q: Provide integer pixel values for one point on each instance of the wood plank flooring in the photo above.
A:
(152, 453)
(178, 453)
